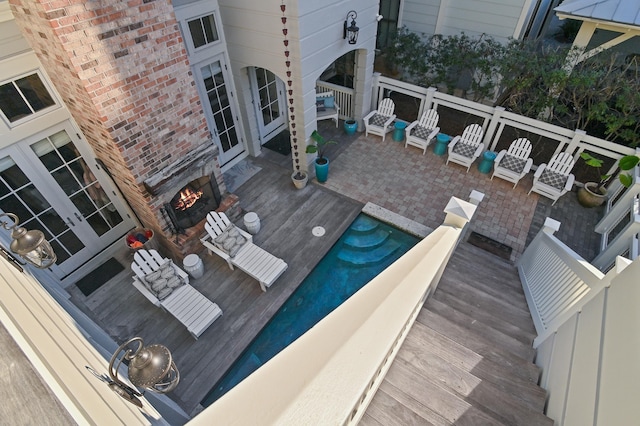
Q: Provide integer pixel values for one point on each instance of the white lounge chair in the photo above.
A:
(379, 122)
(223, 239)
(555, 179)
(466, 148)
(184, 302)
(512, 164)
(421, 132)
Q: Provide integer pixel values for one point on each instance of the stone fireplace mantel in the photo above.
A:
(199, 162)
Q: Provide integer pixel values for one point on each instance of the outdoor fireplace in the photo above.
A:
(192, 202)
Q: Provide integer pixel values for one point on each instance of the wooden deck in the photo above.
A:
(287, 217)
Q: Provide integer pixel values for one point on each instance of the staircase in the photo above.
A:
(468, 358)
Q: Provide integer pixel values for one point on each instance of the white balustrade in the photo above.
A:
(343, 95)
(556, 280)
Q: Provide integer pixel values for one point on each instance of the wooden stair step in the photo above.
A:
(513, 363)
(426, 340)
(494, 286)
(490, 265)
(484, 301)
(488, 318)
(424, 397)
(387, 410)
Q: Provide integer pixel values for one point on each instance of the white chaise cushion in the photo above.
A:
(163, 281)
(230, 240)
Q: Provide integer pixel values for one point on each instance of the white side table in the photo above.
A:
(252, 222)
(193, 265)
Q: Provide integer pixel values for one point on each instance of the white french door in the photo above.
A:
(47, 182)
(221, 111)
(270, 102)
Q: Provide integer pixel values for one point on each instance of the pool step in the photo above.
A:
(363, 224)
(371, 257)
(366, 240)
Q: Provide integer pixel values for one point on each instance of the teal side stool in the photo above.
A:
(442, 140)
(398, 132)
(487, 161)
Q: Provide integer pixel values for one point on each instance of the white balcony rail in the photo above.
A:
(496, 119)
(330, 374)
(344, 97)
(619, 214)
(624, 241)
(590, 365)
(58, 348)
(556, 281)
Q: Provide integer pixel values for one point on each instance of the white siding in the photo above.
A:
(421, 16)
(497, 18)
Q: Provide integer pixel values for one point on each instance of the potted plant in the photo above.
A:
(593, 194)
(299, 178)
(321, 162)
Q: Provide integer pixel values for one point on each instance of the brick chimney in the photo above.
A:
(122, 70)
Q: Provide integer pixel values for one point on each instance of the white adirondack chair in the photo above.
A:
(253, 260)
(555, 179)
(421, 132)
(185, 303)
(513, 163)
(465, 148)
(379, 122)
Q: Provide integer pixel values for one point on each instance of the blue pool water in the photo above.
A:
(362, 252)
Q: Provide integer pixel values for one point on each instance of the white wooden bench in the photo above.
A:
(329, 112)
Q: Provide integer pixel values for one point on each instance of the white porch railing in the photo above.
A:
(344, 97)
(330, 374)
(556, 281)
(496, 119)
(620, 224)
(625, 241)
(590, 364)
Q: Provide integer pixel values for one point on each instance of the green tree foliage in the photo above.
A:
(600, 95)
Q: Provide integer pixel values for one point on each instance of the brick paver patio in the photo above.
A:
(419, 186)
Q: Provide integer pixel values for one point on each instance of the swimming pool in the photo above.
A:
(362, 252)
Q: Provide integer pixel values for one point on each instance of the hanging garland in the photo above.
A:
(292, 117)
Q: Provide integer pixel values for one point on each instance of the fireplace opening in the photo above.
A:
(192, 202)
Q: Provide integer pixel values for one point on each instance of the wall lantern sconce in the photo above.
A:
(150, 368)
(351, 31)
(32, 246)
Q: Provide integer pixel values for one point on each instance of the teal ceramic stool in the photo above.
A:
(442, 140)
(398, 132)
(487, 161)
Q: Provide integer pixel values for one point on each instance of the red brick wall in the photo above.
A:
(122, 70)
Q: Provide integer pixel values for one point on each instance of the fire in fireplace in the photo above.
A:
(187, 198)
(191, 204)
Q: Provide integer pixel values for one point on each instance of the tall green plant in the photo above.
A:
(318, 146)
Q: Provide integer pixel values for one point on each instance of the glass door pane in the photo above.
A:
(19, 195)
(268, 94)
(62, 160)
(221, 110)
